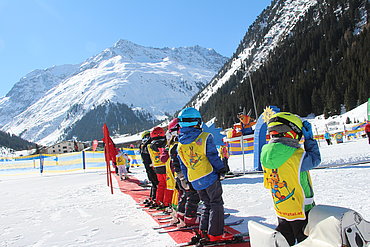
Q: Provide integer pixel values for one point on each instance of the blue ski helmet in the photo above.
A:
(189, 117)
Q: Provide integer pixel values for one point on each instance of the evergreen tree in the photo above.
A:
(14, 142)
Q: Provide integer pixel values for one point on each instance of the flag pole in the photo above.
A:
(109, 175)
(254, 101)
(106, 164)
(110, 179)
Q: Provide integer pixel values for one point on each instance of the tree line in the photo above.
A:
(120, 119)
(14, 142)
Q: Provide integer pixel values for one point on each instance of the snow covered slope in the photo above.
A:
(31, 88)
(271, 26)
(43, 105)
(78, 210)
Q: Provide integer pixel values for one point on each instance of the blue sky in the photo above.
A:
(37, 34)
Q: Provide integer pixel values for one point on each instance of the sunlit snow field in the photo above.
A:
(78, 209)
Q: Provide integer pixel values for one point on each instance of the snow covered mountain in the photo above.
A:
(30, 89)
(46, 105)
(271, 26)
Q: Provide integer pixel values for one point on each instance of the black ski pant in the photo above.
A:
(188, 202)
(368, 136)
(153, 179)
(328, 141)
(292, 230)
(226, 164)
(212, 218)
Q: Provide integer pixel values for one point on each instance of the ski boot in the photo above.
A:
(199, 237)
(191, 221)
(148, 203)
(220, 238)
(154, 206)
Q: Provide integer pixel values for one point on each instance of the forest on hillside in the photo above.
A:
(321, 66)
(14, 142)
(118, 117)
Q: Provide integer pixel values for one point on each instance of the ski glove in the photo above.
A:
(185, 184)
(164, 156)
(222, 173)
(157, 144)
(307, 130)
(183, 181)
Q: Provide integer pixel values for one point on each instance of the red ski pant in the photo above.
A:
(163, 194)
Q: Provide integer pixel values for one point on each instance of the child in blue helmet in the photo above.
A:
(202, 167)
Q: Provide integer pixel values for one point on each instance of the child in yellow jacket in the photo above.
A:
(121, 162)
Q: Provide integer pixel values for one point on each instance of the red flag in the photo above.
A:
(110, 147)
(110, 153)
(95, 144)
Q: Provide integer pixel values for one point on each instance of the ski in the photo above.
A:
(232, 175)
(145, 185)
(237, 239)
(234, 223)
(179, 229)
(165, 218)
(164, 226)
(170, 217)
(227, 215)
(152, 209)
(143, 207)
(161, 214)
(174, 224)
(141, 203)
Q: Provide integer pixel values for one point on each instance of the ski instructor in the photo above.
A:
(202, 167)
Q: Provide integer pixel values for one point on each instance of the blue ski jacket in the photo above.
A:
(188, 135)
(312, 157)
(327, 135)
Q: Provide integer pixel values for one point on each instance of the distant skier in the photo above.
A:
(202, 167)
(286, 172)
(327, 138)
(367, 130)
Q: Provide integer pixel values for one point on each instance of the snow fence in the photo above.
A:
(67, 162)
